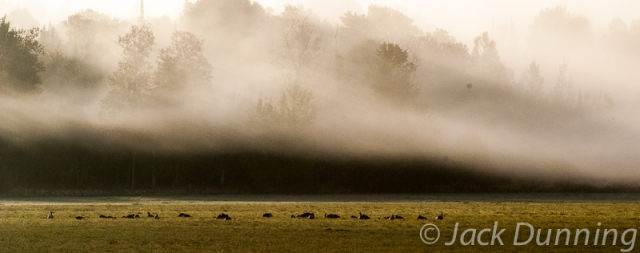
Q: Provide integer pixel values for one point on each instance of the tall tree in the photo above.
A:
(391, 74)
(180, 65)
(301, 44)
(131, 81)
(19, 64)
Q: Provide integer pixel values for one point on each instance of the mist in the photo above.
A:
(551, 94)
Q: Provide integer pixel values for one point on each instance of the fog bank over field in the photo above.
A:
(552, 93)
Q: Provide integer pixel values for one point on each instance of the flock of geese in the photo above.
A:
(224, 216)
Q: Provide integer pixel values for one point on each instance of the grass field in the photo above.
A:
(25, 228)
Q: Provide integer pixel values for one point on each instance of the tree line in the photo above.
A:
(381, 56)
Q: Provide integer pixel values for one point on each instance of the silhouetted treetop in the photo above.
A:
(391, 73)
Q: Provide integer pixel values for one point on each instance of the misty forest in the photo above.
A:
(233, 98)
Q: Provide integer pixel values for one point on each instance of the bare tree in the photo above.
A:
(302, 46)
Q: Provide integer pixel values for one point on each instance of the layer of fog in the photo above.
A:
(451, 124)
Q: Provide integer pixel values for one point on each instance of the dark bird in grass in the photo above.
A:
(222, 216)
(227, 218)
(130, 216)
(184, 215)
(293, 216)
(312, 216)
(136, 216)
(156, 217)
(149, 215)
(304, 215)
(393, 217)
(363, 217)
(267, 215)
(103, 217)
(440, 217)
(420, 217)
(79, 217)
(331, 216)
(50, 215)
(353, 217)
(110, 217)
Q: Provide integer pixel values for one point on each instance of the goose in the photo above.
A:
(304, 215)
(102, 216)
(149, 215)
(393, 217)
(186, 215)
(136, 216)
(312, 216)
(130, 216)
(353, 217)
(363, 217)
(267, 215)
(222, 216)
(293, 216)
(440, 217)
(110, 217)
(50, 215)
(331, 216)
(181, 215)
(420, 217)
(156, 217)
(79, 217)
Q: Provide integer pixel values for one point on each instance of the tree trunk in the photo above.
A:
(133, 172)
(153, 172)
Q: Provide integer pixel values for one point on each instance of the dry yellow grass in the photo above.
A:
(24, 227)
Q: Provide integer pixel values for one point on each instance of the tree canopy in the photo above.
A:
(391, 73)
(19, 64)
(131, 81)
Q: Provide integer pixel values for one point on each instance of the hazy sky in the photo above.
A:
(456, 16)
